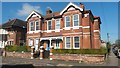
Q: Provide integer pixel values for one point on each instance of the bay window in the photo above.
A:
(76, 20)
(67, 21)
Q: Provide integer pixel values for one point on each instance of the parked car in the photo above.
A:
(116, 51)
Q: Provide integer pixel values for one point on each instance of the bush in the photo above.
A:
(80, 51)
(16, 48)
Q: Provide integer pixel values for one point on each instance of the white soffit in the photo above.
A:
(33, 12)
(70, 5)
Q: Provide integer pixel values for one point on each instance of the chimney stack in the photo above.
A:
(49, 11)
(82, 6)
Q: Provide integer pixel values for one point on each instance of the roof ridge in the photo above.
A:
(13, 21)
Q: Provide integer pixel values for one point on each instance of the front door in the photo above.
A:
(36, 41)
(47, 46)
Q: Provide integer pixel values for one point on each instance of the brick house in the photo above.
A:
(72, 28)
(16, 29)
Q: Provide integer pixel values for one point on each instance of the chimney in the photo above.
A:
(49, 11)
(82, 6)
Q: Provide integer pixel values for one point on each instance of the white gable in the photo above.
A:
(33, 12)
(70, 8)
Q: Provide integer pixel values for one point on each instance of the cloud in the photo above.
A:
(27, 9)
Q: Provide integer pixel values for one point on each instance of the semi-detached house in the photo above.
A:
(71, 28)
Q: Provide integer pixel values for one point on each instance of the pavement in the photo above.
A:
(111, 60)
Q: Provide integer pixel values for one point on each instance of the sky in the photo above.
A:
(108, 12)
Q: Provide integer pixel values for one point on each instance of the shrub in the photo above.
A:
(80, 51)
(16, 48)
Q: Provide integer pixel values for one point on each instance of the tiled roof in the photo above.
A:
(14, 22)
(54, 14)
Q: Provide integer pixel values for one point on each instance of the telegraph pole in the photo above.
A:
(108, 37)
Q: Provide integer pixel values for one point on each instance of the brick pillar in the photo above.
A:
(41, 52)
(51, 54)
(32, 52)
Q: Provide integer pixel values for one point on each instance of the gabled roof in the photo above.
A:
(34, 13)
(70, 4)
(14, 22)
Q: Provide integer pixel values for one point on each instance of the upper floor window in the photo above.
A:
(49, 25)
(76, 20)
(57, 24)
(67, 21)
(36, 25)
(31, 26)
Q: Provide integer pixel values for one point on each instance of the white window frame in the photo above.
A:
(48, 26)
(65, 43)
(76, 27)
(30, 42)
(56, 47)
(38, 25)
(57, 23)
(67, 28)
(74, 43)
(30, 26)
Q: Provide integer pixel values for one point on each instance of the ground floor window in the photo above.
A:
(76, 42)
(57, 44)
(30, 42)
(36, 41)
(67, 44)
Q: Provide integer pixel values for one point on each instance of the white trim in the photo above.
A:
(96, 30)
(70, 5)
(65, 42)
(78, 20)
(48, 26)
(86, 33)
(59, 23)
(32, 14)
(96, 20)
(86, 27)
(38, 24)
(30, 25)
(73, 33)
(47, 38)
(86, 14)
(74, 42)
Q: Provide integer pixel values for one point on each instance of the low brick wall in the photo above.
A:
(19, 54)
(81, 58)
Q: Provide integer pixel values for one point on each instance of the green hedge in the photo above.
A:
(80, 51)
(16, 48)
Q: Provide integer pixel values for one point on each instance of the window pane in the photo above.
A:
(76, 20)
(76, 42)
(57, 24)
(31, 26)
(37, 25)
(67, 42)
(49, 25)
(67, 21)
